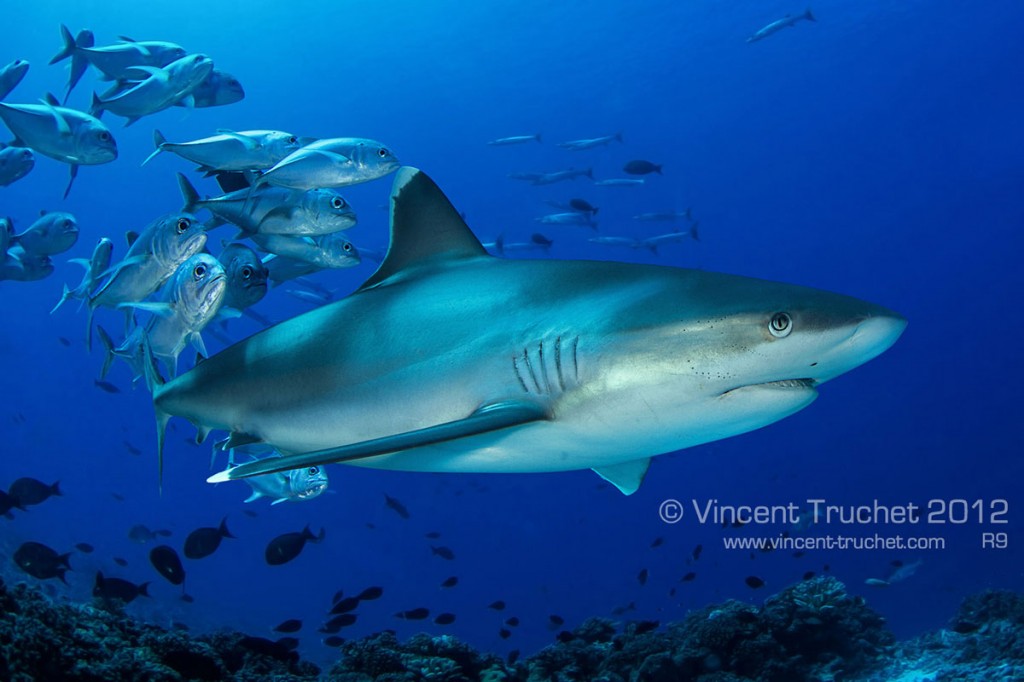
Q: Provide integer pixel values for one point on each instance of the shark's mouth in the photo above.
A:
(782, 384)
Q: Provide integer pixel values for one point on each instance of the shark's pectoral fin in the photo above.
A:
(627, 476)
(486, 419)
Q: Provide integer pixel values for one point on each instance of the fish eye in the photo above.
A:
(347, 247)
(336, 202)
(293, 140)
(104, 135)
(780, 325)
(313, 471)
(183, 225)
(382, 152)
(247, 272)
(199, 271)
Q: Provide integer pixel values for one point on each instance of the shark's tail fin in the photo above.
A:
(808, 15)
(695, 232)
(188, 194)
(158, 141)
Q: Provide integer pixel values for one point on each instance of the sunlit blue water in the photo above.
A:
(877, 152)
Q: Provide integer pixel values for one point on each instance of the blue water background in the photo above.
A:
(878, 152)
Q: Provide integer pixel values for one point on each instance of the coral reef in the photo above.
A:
(41, 640)
(811, 631)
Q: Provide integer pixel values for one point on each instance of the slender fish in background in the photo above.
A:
(515, 139)
(578, 145)
(779, 24)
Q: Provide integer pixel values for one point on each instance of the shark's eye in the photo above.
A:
(313, 471)
(781, 325)
(336, 202)
(183, 225)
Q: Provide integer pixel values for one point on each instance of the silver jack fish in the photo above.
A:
(447, 359)
(326, 251)
(67, 135)
(333, 162)
(779, 24)
(231, 151)
(15, 163)
(160, 90)
(94, 269)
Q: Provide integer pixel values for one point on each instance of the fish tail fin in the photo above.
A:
(108, 347)
(689, 214)
(657, 169)
(653, 248)
(71, 179)
(808, 15)
(695, 232)
(223, 529)
(144, 589)
(537, 137)
(55, 489)
(63, 298)
(88, 328)
(322, 535)
(69, 45)
(158, 141)
(65, 560)
(618, 136)
(188, 194)
(96, 108)
(590, 173)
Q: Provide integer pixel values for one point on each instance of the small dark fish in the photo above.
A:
(334, 641)
(42, 562)
(753, 582)
(370, 593)
(443, 552)
(286, 547)
(826, 568)
(202, 542)
(250, 513)
(116, 588)
(63, 341)
(896, 563)
(619, 610)
(512, 622)
(657, 542)
(397, 506)
(688, 577)
(334, 625)
(444, 619)
(538, 238)
(187, 598)
(105, 386)
(132, 450)
(290, 626)
(450, 582)
(556, 620)
(30, 491)
(808, 575)
(432, 535)
(641, 577)
(345, 605)
(645, 626)
(117, 496)
(120, 561)
(413, 614)
(175, 625)
(504, 634)
(370, 526)
(497, 605)
(167, 563)
(85, 548)
(799, 553)
(582, 206)
(289, 643)
(337, 596)
(513, 656)
(7, 503)
(641, 167)
(696, 552)
(672, 592)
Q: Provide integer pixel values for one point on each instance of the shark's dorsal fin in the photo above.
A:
(425, 228)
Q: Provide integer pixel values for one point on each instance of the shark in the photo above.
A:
(448, 359)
